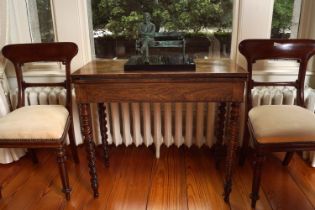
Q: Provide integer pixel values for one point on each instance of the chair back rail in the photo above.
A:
(300, 50)
(19, 54)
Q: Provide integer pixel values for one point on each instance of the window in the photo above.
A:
(40, 20)
(285, 18)
(206, 25)
(41, 29)
(285, 25)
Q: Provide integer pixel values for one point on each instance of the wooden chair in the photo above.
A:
(41, 126)
(277, 128)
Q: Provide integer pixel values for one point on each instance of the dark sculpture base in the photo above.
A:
(160, 63)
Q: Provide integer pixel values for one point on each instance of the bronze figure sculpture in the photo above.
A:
(146, 34)
(149, 38)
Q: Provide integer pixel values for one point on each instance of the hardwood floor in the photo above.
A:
(181, 179)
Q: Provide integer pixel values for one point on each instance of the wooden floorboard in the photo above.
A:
(304, 176)
(168, 187)
(131, 187)
(281, 189)
(181, 179)
(205, 185)
(26, 185)
(242, 181)
(108, 177)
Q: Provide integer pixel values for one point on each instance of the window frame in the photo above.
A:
(29, 11)
(247, 30)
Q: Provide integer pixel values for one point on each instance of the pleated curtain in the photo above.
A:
(6, 155)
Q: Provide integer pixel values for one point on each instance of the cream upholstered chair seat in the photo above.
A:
(34, 122)
(282, 124)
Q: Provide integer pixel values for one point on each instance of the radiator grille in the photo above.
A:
(160, 123)
(281, 95)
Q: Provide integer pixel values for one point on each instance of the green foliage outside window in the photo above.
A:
(281, 19)
(122, 17)
(45, 21)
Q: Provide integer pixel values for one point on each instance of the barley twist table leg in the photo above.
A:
(233, 130)
(219, 132)
(86, 129)
(103, 128)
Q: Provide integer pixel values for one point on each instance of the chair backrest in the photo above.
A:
(19, 54)
(300, 50)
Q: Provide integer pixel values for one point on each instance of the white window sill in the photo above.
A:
(44, 73)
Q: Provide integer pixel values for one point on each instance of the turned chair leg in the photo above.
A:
(245, 146)
(287, 158)
(33, 155)
(72, 143)
(258, 162)
(61, 158)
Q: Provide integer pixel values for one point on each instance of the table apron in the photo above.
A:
(160, 92)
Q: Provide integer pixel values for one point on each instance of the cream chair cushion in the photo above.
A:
(282, 123)
(34, 122)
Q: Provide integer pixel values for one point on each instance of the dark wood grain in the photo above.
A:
(86, 129)
(219, 132)
(109, 69)
(103, 130)
(232, 145)
(61, 159)
(121, 91)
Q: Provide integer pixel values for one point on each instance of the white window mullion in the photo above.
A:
(33, 21)
(255, 17)
(296, 18)
(235, 29)
(307, 26)
(71, 20)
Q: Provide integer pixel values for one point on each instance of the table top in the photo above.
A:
(205, 68)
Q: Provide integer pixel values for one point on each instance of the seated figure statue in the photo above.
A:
(146, 35)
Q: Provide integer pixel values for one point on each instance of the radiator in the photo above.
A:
(163, 123)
